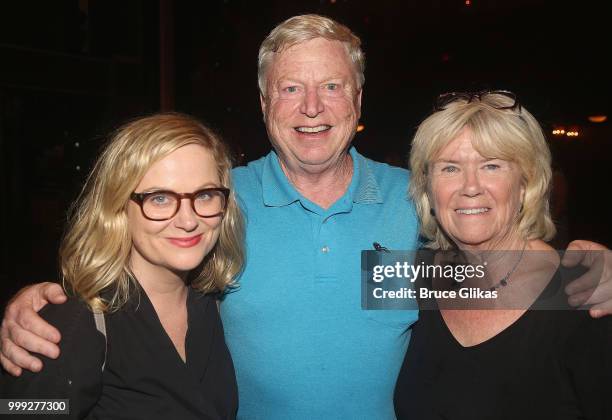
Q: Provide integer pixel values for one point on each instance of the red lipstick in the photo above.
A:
(186, 242)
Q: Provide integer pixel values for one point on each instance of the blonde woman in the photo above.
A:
(154, 233)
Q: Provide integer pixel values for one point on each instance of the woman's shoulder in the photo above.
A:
(587, 329)
(74, 314)
(65, 311)
(75, 321)
(81, 340)
(79, 365)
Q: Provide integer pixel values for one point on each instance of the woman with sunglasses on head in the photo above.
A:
(154, 235)
(480, 181)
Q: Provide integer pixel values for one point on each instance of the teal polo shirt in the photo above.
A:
(302, 346)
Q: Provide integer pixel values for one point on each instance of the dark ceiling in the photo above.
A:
(552, 55)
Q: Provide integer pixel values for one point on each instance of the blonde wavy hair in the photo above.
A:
(303, 28)
(95, 250)
(509, 134)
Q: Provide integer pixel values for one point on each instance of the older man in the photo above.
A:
(302, 346)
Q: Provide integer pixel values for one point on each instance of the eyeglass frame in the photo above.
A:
(445, 99)
(139, 198)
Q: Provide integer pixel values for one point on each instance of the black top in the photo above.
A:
(144, 376)
(546, 365)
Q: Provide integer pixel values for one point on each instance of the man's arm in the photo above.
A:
(595, 286)
(24, 331)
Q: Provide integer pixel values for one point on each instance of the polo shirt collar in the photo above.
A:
(278, 191)
(367, 190)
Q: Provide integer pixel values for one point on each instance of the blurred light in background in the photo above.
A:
(598, 118)
(574, 132)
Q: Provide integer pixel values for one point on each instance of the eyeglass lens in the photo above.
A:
(164, 205)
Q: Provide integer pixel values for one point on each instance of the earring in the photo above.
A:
(432, 212)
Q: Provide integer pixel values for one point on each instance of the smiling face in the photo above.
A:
(312, 105)
(476, 199)
(179, 244)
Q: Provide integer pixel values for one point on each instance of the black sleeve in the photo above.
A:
(77, 373)
(588, 363)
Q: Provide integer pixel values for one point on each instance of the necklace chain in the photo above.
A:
(504, 281)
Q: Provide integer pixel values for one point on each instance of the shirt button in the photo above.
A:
(325, 249)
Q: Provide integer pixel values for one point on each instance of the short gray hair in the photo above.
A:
(303, 28)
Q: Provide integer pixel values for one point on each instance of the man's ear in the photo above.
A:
(359, 103)
(262, 102)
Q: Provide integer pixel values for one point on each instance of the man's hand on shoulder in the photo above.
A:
(24, 331)
(595, 286)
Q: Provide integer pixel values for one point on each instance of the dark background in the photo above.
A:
(71, 70)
